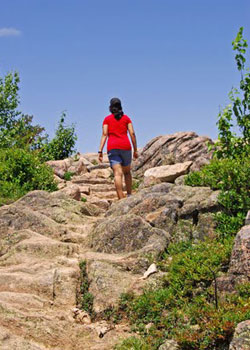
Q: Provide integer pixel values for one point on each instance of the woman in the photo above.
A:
(115, 127)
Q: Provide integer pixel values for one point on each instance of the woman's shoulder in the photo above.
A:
(127, 118)
(107, 118)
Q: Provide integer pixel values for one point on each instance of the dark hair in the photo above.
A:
(116, 108)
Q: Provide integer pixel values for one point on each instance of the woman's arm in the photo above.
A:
(103, 141)
(133, 139)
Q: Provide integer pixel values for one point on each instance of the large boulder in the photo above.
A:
(239, 267)
(50, 214)
(72, 191)
(241, 338)
(73, 165)
(128, 234)
(247, 222)
(108, 282)
(240, 258)
(182, 211)
(42, 237)
(167, 173)
(176, 148)
(169, 344)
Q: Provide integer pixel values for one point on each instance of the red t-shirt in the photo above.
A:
(117, 132)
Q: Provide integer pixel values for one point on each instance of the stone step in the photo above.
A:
(91, 181)
(106, 195)
(84, 190)
(102, 188)
(98, 166)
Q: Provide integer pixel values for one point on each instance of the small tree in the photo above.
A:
(62, 145)
(16, 129)
(229, 171)
(231, 145)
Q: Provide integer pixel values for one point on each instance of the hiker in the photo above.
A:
(115, 127)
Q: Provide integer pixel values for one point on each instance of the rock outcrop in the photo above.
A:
(241, 338)
(41, 243)
(239, 267)
(176, 148)
(44, 236)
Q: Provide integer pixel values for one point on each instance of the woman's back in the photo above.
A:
(117, 132)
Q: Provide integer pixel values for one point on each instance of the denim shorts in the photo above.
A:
(120, 156)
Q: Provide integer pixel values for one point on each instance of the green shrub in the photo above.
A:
(16, 129)
(132, 343)
(187, 308)
(236, 116)
(231, 176)
(84, 199)
(86, 298)
(135, 184)
(21, 171)
(184, 308)
(68, 175)
(62, 145)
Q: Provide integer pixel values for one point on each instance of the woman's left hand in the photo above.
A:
(135, 155)
(100, 157)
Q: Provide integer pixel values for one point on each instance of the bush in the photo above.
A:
(68, 175)
(86, 299)
(231, 176)
(132, 343)
(184, 309)
(237, 114)
(62, 145)
(16, 129)
(20, 172)
(187, 308)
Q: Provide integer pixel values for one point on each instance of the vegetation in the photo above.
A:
(62, 145)
(135, 184)
(25, 147)
(16, 129)
(86, 298)
(21, 171)
(231, 176)
(229, 171)
(68, 175)
(187, 307)
(132, 343)
(184, 308)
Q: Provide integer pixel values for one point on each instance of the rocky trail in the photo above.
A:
(45, 236)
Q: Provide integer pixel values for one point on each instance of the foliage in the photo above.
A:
(135, 184)
(132, 343)
(184, 309)
(231, 176)
(84, 199)
(231, 145)
(21, 171)
(62, 145)
(86, 299)
(68, 175)
(26, 135)
(9, 100)
(16, 129)
(229, 171)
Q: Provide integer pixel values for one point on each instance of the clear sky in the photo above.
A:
(169, 61)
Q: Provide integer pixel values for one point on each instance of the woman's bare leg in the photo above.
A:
(128, 178)
(118, 175)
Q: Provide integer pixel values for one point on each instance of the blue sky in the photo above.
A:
(170, 62)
